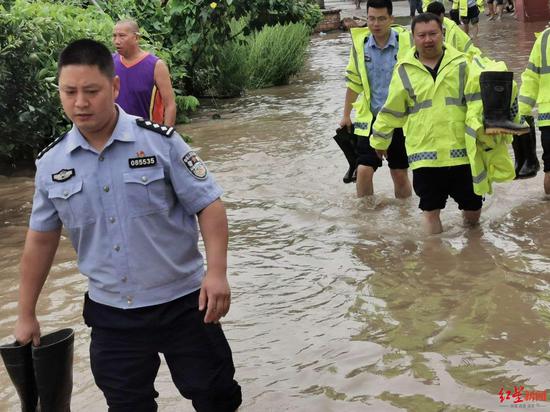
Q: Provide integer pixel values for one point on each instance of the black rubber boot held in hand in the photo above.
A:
(496, 95)
(53, 370)
(346, 141)
(519, 158)
(529, 149)
(18, 361)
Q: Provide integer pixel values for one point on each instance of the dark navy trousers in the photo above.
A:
(125, 347)
(545, 140)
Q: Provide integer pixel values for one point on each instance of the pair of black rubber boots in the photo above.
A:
(347, 141)
(525, 152)
(42, 375)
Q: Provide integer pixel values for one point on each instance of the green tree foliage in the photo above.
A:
(271, 13)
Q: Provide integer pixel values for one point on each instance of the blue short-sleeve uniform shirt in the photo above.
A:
(130, 212)
(380, 63)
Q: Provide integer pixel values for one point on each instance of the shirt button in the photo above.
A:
(116, 248)
(106, 188)
(65, 193)
(129, 299)
(144, 178)
(124, 279)
(101, 158)
(112, 219)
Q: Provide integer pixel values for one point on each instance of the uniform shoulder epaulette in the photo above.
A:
(48, 147)
(155, 127)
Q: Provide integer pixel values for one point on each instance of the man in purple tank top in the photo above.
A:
(145, 85)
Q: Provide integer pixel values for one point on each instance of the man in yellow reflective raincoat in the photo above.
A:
(469, 11)
(426, 97)
(375, 52)
(535, 91)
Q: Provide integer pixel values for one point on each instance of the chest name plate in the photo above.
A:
(146, 161)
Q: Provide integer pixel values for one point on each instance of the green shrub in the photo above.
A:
(229, 74)
(312, 16)
(262, 59)
(276, 53)
(232, 76)
(185, 104)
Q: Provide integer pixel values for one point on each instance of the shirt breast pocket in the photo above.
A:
(146, 191)
(71, 203)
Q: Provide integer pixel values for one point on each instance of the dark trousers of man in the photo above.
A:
(415, 5)
(125, 347)
(545, 140)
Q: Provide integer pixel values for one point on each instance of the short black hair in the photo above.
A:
(380, 4)
(436, 8)
(426, 18)
(87, 52)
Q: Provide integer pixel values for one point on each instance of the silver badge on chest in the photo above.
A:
(63, 175)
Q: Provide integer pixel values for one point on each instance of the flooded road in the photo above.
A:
(340, 304)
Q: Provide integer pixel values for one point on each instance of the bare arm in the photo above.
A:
(164, 84)
(215, 293)
(36, 261)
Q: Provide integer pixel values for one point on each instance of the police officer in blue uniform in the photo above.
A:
(132, 196)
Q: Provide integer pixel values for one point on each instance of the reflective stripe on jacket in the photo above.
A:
(535, 81)
(431, 114)
(356, 73)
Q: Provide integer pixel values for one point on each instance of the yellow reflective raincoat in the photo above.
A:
(535, 81)
(490, 159)
(432, 114)
(457, 38)
(462, 6)
(356, 73)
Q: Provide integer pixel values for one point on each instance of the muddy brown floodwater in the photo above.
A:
(339, 304)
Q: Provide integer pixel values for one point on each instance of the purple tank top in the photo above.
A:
(137, 86)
